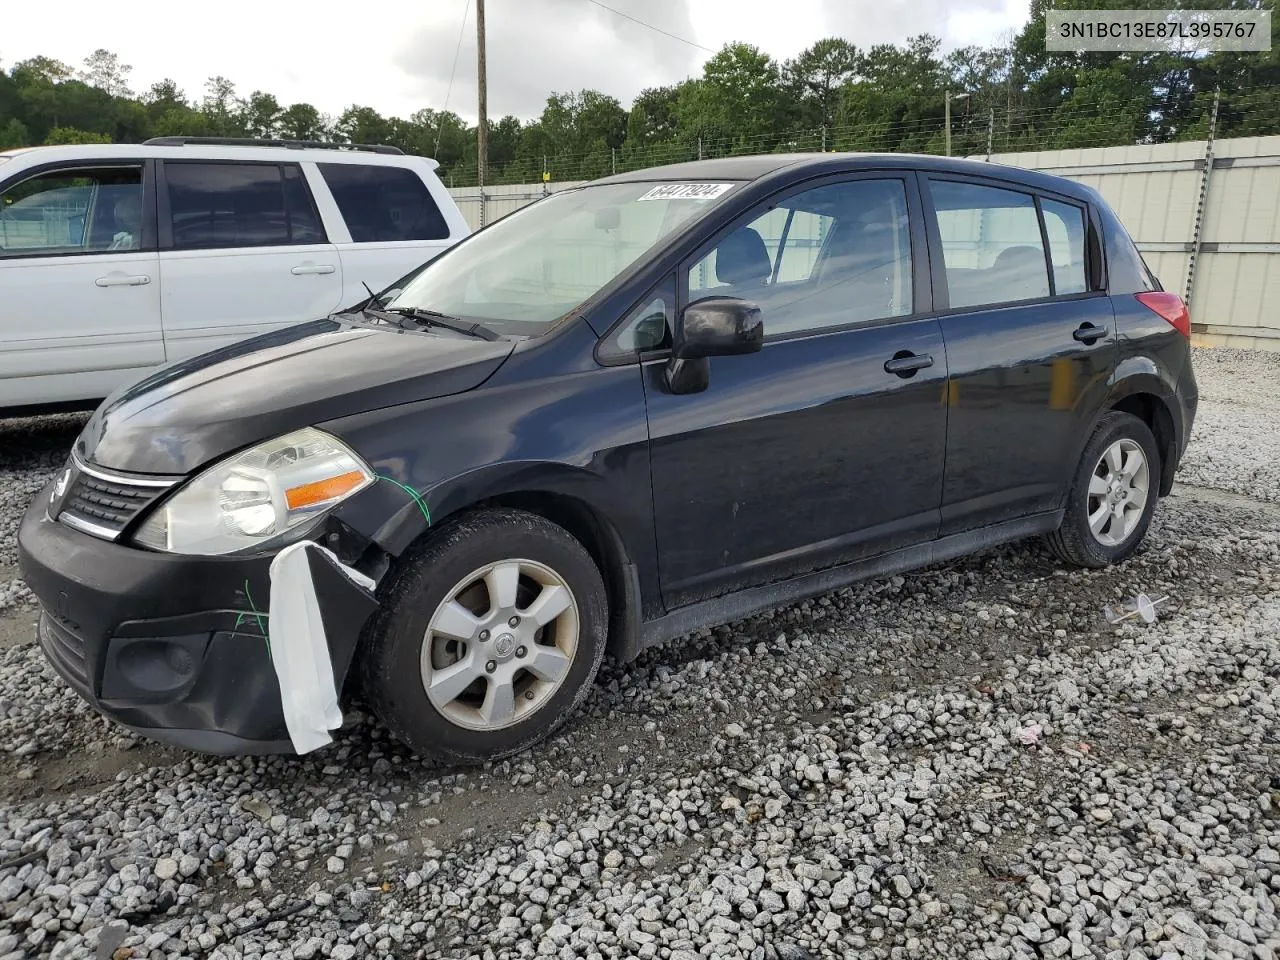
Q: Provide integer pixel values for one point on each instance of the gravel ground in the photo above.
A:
(963, 762)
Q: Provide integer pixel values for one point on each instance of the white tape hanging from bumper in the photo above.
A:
(299, 648)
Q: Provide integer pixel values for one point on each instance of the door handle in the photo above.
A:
(904, 363)
(121, 280)
(1088, 333)
(312, 268)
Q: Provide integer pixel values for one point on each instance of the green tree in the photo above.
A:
(164, 94)
(504, 139)
(657, 119)
(42, 68)
(218, 108)
(815, 77)
(739, 98)
(14, 134)
(104, 70)
(301, 121)
(72, 135)
(362, 125)
(260, 115)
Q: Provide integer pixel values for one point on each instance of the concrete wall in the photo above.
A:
(1234, 288)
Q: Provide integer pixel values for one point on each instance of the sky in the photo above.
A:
(398, 56)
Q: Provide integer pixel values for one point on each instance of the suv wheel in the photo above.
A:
(1113, 494)
(489, 639)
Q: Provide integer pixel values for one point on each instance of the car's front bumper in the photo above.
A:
(173, 647)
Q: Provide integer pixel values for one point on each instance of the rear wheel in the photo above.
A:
(1113, 494)
(491, 637)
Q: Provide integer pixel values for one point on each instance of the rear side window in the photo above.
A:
(384, 203)
(991, 244)
(226, 205)
(73, 211)
(1064, 225)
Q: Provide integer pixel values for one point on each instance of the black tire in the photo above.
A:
(1073, 542)
(392, 678)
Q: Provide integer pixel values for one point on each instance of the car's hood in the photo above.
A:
(188, 413)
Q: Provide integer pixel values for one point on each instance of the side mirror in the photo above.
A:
(718, 327)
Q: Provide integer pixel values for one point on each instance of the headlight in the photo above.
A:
(256, 495)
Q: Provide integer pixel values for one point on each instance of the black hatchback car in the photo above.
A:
(650, 404)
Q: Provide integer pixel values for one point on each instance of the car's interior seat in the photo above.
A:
(1019, 273)
(858, 268)
(742, 262)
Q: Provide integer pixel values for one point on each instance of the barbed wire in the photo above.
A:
(996, 129)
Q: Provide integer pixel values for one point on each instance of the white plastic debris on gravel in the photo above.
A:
(852, 776)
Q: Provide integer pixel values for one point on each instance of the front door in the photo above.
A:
(827, 445)
(243, 252)
(79, 291)
(1030, 346)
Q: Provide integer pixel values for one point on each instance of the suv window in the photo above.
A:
(73, 211)
(826, 257)
(384, 203)
(221, 205)
(991, 244)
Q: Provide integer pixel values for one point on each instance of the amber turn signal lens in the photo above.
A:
(321, 491)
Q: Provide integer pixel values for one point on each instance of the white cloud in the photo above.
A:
(396, 56)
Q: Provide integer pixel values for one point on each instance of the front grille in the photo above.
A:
(65, 649)
(103, 504)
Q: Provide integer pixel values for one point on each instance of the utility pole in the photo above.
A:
(482, 132)
(947, 96)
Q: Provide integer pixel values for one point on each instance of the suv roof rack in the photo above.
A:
(291, 144)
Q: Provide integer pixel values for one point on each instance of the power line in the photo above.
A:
(466, 9)
(627, 16)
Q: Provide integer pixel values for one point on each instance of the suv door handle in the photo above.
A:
(1088, 333)
(308, 268)
(121, 280)
(904, 363)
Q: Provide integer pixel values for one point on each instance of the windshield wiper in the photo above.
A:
(434, 318)
(382, 315)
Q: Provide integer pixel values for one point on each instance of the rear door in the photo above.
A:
(1030, 339)
(827, 445)
(79, 291)
(242, 252)
(392, 220)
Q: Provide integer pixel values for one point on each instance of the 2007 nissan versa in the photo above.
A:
(654, 403)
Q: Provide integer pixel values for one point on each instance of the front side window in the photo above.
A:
(227, 205)
(534, 266)
(73, 211)
(835, 255)
(991, 244)
(382, 203)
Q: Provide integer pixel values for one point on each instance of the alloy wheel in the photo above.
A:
(1118, 492)
(500, 644)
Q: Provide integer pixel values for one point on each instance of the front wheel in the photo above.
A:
(490, 638)
(1113, 494)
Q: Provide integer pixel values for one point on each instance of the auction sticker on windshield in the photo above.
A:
(686, 191)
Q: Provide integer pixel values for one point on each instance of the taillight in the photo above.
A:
(1170, 307)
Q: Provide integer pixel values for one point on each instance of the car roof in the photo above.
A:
(800, 165)
(207, 151)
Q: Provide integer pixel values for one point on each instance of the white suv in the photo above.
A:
(115, 259)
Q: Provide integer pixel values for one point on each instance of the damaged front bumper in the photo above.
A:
(174, 647)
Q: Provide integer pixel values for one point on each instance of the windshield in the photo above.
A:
(534, 266)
